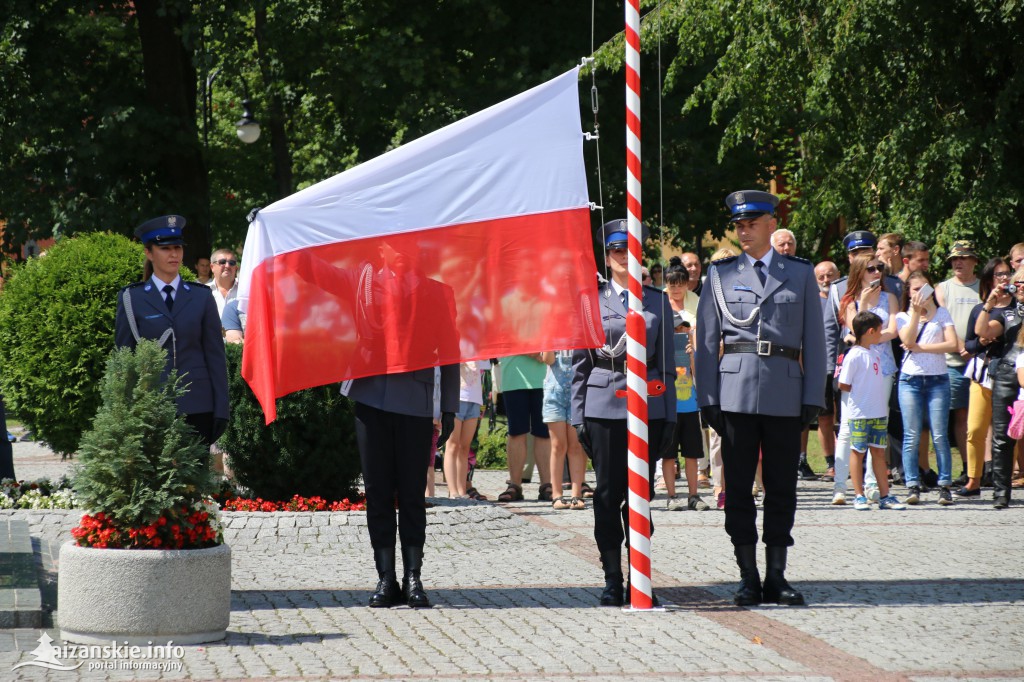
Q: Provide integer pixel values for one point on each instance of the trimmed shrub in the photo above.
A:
(57, 330)
(310, 449)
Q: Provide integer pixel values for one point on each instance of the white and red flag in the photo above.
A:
(470, 242)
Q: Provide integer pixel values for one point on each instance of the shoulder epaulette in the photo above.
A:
(798, 259)
(727, 259)
(134, 284)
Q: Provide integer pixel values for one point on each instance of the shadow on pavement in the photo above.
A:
(713, 596)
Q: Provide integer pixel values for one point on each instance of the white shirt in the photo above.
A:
(869, 387)
(160, 284)
(220, 298)
(926, 364)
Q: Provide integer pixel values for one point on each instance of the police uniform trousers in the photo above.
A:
(777, 440)
(608, 441)
(394, 450)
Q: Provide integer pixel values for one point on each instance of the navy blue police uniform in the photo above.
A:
(598, 410)
(189, 330)
(394, 411)
(760, 373)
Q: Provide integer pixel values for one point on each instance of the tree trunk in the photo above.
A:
(171, 90)
(278, 134)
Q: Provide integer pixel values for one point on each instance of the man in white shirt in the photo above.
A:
(225, 277)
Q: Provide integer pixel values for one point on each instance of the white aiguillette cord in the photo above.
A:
(168, 333)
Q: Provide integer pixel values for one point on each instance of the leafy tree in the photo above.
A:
(895, 116)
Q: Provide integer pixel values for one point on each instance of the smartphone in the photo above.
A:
(874, 284)
(926, 292)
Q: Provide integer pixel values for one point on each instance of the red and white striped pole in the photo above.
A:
(636, 336)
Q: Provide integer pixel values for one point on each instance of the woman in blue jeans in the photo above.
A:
(926, 330)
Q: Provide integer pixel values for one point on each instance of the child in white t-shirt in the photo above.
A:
(866, 411)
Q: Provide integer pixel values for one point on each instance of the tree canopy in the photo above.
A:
(894, 115)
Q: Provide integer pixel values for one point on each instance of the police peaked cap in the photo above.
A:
(163, 231)
(615, 233)
(750, 203)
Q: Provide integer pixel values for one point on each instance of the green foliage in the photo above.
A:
(56, 331)
(310, 449)
(140, 459)
(491, 449)
(886, 115)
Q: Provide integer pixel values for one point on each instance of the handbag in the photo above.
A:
(1015, 429)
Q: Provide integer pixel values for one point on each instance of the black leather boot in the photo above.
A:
(412, 589)
(776, 590)
(387, 592)
(749, 593)
(611, 562)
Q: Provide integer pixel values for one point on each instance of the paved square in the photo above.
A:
(928, 593)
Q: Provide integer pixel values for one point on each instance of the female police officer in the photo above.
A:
(184, 319)
(599, 414)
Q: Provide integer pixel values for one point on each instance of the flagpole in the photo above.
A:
(636, 332)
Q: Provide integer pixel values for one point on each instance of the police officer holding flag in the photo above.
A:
(760, 377)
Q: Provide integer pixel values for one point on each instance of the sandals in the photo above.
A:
(544, 493)
(474, 494)
(513, 493)
(588, 492)
(577, 504)
(561, 503)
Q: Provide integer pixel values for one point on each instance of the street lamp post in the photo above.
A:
(247, 128)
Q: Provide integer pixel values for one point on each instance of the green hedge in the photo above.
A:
(310, 449)
(57, 331)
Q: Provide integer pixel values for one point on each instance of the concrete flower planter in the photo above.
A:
(143, 595)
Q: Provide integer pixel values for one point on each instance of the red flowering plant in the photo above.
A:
(297, 503)
(143, 473)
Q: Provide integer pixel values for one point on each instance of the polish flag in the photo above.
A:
(471, 242)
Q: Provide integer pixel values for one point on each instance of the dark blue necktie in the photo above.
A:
(167, 296)
(759, 269)
(625, 299)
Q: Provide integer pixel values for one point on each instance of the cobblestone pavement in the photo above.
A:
(929, 593)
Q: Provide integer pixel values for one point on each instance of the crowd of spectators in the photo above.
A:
(940, 353)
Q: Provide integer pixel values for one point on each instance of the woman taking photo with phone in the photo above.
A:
(1004, 324)
(866, 291)
(926, 330)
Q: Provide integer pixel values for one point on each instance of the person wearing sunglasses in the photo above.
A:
(1006, 325)
(225, 277)
(866, 290)
(984, 351)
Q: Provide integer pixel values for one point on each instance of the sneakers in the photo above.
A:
(890, 502)
(697, 504)
(945, 497)
(675, 504)
(913, 494)
(967, 492)
(839, 498)
(872, 493)
(860, 503)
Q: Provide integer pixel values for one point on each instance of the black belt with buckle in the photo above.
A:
(763, 348)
